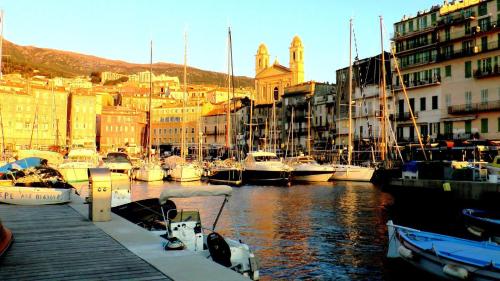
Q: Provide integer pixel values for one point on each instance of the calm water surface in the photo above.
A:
(329, 231)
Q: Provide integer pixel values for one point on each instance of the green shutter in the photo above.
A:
(468, 69)
(484, 125)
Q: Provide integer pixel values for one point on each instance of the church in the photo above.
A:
(271, 80)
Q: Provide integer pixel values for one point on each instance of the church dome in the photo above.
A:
(296, 42)
(262, 49)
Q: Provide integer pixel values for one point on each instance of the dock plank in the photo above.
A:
(57, 243)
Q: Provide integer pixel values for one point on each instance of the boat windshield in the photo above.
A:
(116, 158)
(266, 158)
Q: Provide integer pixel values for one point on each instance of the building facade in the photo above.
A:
(82, 118)
(118, 127)
(449, 62)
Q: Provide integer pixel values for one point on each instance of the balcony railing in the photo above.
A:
(489, 72)
(404, 116)
(420, 83)
(474, 107)
(491, 46)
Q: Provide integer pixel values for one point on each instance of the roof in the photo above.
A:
(195, 191)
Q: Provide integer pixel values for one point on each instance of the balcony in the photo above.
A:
(419, 84)
(403, 116)
(489, 72)
(474, 107)
(491, 46)
(456, 18)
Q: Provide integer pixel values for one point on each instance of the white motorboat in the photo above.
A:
(149, 171)
(352, 173)
(306, 169)
(54, 158)
(185, 172)
(182, 229)
(265, 167)
(75, 168)
(118, 162)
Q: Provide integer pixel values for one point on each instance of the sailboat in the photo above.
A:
(149, 171)
(305, 168)
(349, 172)
(228, 171)
(184, 171)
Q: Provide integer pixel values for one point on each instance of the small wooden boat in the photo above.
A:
(6, 239)
(444, 256)
(483, 224)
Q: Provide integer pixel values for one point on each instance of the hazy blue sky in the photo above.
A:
(122, 29)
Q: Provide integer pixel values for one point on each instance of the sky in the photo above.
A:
(122, 29)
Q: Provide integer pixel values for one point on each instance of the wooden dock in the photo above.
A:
(58, 243)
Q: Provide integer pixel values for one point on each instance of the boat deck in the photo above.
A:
(58, 243)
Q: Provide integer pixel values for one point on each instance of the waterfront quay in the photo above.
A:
(59, 242)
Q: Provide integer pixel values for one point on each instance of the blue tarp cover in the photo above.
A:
(21, 164)
(410, 167)
(479, 254)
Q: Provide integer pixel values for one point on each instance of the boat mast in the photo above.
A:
(383, 143)
(309, 127)
(1, 42)
(349, 138)
(149, 100)
(250, 141)
(228, 111)
(3, 135)
(184, 94)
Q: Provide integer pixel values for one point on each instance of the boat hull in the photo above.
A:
(6, 239)
(352, 173)
(483, 224)
(311, 176)
(226, 176)
(185, 173)
(149, 174)
(19, 195)
(266, 176)
(75, 174)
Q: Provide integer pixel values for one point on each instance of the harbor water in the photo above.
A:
(327, 231)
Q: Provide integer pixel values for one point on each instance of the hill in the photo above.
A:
(52, 63)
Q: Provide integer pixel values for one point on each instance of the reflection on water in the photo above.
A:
(321, 231)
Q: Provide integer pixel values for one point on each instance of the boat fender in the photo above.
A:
(405, 252)
(254, 266)
(456, 271)
(475, 231)
(219, 249)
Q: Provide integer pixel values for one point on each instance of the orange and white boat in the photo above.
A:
(6, 239)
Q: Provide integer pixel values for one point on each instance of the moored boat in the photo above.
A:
(149, 172)
(6, 239)
(444, 256)
(118, 162)
(226, 172)
(352, 173)
(306, 169)
(75, 168)
(483, 224)
(265, 167)
(185, 172)
(29, 195)
(182, 229)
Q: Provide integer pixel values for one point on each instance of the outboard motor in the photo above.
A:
(219, 249)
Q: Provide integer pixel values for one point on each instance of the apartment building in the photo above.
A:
(366, 100)
(449, 61)
(119, 126)
(32, 115)
(82, 118)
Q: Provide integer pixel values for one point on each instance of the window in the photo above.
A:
(410, 26)
(447, 71)
(422, 104)
(447, 99)
(498, 121)
(484, 43)
(468, 127)
(434, 102)
(483, 9)
(447, 34)
(448, 127)
(484, 96)
(468, 69)
(484, 125)
(433, 18)
(468, 99)
(484, 24)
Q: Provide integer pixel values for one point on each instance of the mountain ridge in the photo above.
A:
(53, 62)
